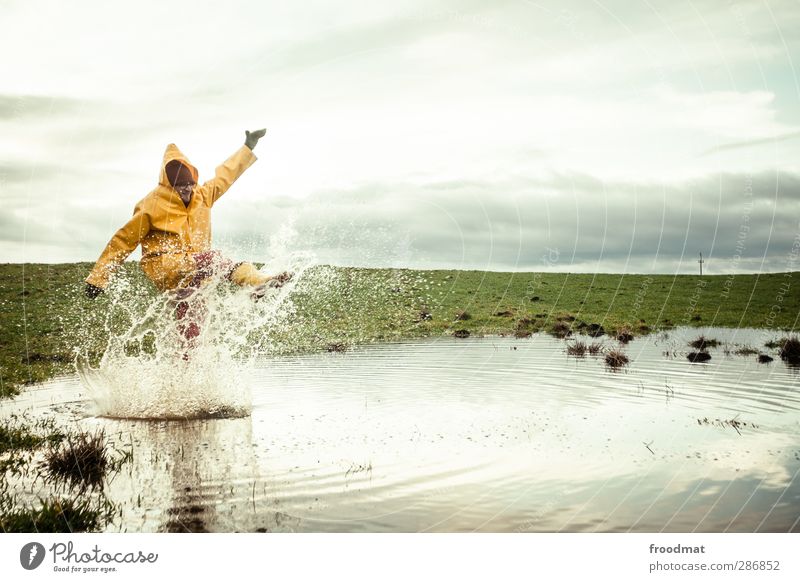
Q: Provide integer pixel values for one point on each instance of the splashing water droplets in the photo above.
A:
(153, 368)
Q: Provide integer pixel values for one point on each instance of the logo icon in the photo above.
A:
(31, 555)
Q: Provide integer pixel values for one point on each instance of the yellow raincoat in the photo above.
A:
(170, 232)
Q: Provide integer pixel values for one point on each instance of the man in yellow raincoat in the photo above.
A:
(173, 225)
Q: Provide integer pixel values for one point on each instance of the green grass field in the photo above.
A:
(44, 315)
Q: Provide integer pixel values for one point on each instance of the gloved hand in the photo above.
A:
(91, 291)
(252, 137)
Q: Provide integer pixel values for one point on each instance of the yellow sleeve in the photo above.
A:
(228, 173)
(121, 245)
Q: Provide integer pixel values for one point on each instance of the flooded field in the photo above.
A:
(479, 434)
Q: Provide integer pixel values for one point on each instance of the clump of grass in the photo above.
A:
(13, 437)
(81, 461)
(734, 423)
(595, 330)
(624, 334)
(773, 344)
(616, 359)
(560, 329)
(18, 442)
(595, 348)
(577, 348)
(462, 315)
(745, 351)
(702, 343)
(56, 515)
(790, 350)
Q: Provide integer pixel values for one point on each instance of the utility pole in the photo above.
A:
(701, 261)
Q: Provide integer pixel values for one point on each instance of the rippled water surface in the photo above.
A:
(487, 434)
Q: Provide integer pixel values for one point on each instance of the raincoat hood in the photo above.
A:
(173, 154)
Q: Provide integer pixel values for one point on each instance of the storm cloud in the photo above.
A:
(507, 136)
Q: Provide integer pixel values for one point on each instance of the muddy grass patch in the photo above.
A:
(595, 349)
(702, 343)
(743, 351)
(789, 350)
(577, 349)
(560, 329)
(82, 461)
(615, 359)
(624, 335)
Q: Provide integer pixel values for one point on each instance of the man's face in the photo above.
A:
(185, 189)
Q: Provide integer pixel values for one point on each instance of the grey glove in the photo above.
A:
(252, 137)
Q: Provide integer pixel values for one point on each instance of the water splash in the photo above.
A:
(148, 369)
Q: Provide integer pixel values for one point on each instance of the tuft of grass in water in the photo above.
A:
(764, 358)
(16, 434)
(577, 348)
(745, 351)
(82, 460)
(702, 343)
(790, 350)
(701, 356)
(595, 348)
(616, 359)
(56, 515)
(624, 334)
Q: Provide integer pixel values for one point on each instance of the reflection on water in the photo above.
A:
(492, 434)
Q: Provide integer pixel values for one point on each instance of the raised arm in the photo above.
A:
(121, 245)
(227, 173)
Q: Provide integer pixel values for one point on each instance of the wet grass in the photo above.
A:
(55, 515)
(82, 461)
(702, 343)
(76, 464)
(44, 315)
(615, 359)
(789, 350)
(577, 349)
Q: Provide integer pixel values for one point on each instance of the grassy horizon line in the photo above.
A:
(44, 314)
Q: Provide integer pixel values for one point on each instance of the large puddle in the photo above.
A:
(484, 434)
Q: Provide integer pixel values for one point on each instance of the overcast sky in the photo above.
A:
(613, 136)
